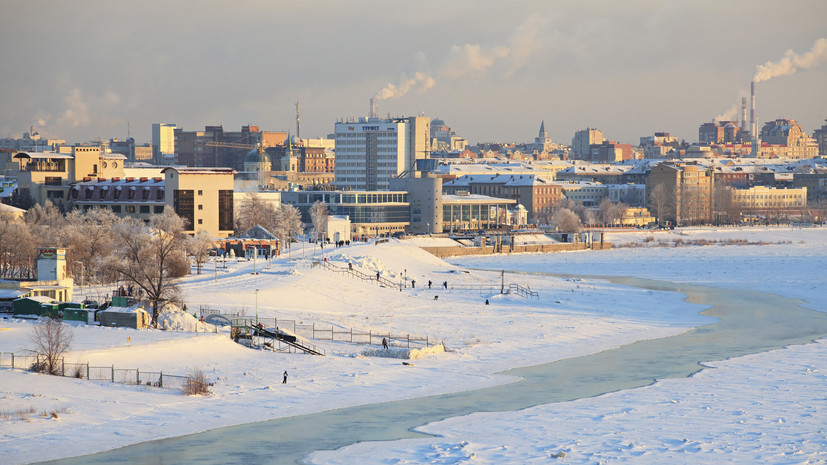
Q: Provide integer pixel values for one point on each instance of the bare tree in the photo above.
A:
(151, 256)
(255, 211)
(566, 221)
(318, 215)
(51, 339)
(88, 239)
(658, 199)
(199, 247)
(17, 249)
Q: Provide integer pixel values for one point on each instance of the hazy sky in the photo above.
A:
(81, 70)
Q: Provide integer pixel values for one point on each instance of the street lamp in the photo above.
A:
(256, 306)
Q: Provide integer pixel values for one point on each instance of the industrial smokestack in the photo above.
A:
(753, 124)
(373, 107)
(743, 113)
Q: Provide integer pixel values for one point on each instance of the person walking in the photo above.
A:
(413, 284)
(377, 276)
(350, 266)
(384, 343)
(429, 284)
(445, 284)
(285, 377)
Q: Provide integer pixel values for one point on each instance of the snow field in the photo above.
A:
(572, 317)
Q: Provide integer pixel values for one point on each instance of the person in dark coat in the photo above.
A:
(285, 377)
(413, 284)
(377, 276)
(429, 284)
(384, 343)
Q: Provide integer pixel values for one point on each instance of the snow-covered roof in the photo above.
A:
(11, 293)
(474, 198)
(124, 310)
(40, 298)
(43, 155)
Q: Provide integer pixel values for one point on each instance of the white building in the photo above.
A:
(371, 151)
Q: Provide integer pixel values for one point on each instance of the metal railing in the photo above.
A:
(95, 373)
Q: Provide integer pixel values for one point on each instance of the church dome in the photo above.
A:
(252, 157)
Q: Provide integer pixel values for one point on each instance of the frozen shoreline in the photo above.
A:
(570, 321)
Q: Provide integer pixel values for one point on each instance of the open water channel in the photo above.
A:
(748, 322)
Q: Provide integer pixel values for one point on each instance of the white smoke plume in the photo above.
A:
(728, 115)
(405, 84)
(471, 59)
(792, 62)
(77, 109)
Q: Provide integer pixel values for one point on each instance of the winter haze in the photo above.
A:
(492, 70)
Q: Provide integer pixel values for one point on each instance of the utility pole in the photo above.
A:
(502, 282)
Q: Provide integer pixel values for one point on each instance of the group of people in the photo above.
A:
(126, 291)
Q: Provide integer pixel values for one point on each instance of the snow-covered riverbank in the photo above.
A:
(571, 318)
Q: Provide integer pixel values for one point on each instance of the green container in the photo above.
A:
(76, 314)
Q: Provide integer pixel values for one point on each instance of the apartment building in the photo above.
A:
(371, 151)
(203, 197)
(685, 196)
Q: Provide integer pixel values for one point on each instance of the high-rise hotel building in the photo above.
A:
(371, 151)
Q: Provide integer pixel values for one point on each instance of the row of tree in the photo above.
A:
(103, 248)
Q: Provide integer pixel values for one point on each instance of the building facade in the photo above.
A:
(583, 140)
(685, 197)
(202, 197)
(371, 151)
(163, 143)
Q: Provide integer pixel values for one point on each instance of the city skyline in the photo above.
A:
(492, 71)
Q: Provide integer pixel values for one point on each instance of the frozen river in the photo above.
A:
(748, 322)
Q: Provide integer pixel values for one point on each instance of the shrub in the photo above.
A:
(196, 384)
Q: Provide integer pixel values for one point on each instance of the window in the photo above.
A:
(200, 192)
(225, 210)
(183, 202)
(116, 208)
(200, 221)
(159, 209)
(144, 208)
(200, 207)
(130, 208)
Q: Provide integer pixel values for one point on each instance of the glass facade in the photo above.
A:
(184, 206)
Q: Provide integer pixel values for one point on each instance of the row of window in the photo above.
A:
(146, 209)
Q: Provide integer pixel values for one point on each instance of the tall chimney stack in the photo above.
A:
(373, 107)
(753, 124)
(744, 113)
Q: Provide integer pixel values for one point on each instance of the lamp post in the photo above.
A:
(256, 306)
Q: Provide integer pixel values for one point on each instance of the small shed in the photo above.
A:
(73, 311)
(36, 306)
(126, 317)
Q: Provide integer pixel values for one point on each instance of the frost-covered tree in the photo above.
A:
(287, 223)
(318, 215)
(199, 247)
(255, 211)
(566, 221)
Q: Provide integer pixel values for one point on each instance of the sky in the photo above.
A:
(491, 70)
